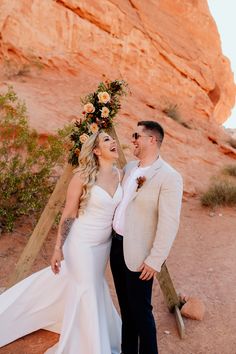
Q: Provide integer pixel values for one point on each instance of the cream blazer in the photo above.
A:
(152, 216)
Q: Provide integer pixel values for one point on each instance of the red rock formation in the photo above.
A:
(169, 52)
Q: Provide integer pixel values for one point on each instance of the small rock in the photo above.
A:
(183, 297)
(211, 214)
(220, 214)
(167, 332)
(194, 309)
(210, 269)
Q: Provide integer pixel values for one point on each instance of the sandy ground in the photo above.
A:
(202, 263)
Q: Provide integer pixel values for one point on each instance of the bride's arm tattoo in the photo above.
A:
(65, 229)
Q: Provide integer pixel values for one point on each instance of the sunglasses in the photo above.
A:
(136, 136)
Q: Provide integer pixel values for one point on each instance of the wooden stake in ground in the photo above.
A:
(46, 221)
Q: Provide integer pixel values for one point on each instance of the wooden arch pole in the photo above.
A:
(46, 221)
(42, 228)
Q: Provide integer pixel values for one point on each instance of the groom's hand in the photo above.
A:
(146, 272)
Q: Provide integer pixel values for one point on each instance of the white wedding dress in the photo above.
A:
(76, 302)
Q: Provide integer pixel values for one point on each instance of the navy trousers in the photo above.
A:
(134, 296)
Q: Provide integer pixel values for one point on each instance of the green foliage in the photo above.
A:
(27, 167)
(221, 192)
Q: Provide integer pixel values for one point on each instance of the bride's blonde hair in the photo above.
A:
(88, 168)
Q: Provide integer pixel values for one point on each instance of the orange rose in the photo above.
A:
(89, 108)
(93, 128)
(84, 137)
(105, 112)
(104, 97)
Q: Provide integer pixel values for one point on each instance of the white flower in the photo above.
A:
(104, 97)
(84, 137)
(89, 108)
(105, 112)
(93, 128)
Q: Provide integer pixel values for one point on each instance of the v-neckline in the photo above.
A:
(112, 197)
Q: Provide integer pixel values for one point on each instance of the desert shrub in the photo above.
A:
(172, 111)
(232, 142)
(27, 167)
(12, 68)
(230, 170)
(221, 192)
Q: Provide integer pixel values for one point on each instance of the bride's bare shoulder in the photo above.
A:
(77, 177)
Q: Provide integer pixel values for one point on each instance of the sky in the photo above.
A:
(224, 12)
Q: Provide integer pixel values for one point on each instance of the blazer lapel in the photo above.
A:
(153, 169)
(149, 174)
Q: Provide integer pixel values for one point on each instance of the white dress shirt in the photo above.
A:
(128, 189)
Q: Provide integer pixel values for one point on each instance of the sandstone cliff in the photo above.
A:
(54, 51)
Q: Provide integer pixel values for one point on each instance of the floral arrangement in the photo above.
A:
(99, 110)
(140, 181)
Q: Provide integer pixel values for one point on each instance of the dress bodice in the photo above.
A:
(100, 209)
(101, 205)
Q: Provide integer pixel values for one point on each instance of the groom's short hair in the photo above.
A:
(154, 127)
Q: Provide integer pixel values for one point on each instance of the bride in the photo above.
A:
(75, 300)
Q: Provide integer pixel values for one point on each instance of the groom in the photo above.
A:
(144, 228)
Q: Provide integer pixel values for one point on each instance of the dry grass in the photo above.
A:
(172, 111)
(230, 170)
(232, 142)
(13, 69)
(221, 192)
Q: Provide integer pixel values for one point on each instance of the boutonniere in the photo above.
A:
(140, 181)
